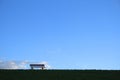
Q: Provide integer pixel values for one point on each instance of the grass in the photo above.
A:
(59, 74)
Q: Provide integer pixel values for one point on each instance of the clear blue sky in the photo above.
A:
(68, 34)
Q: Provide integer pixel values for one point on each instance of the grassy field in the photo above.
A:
(59, 74)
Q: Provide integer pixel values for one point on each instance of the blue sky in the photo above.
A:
(68, 34)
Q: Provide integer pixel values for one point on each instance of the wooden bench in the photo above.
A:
(42, 66)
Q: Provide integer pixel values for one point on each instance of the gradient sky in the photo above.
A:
(68, 34)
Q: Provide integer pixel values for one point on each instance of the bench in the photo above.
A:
(42, 66)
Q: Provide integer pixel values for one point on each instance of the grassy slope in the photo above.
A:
(59, 74)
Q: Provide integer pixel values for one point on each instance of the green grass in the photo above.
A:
(59, 74)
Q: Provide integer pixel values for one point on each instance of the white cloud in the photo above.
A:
(46, 64)
(20, 64)
(12, 65)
